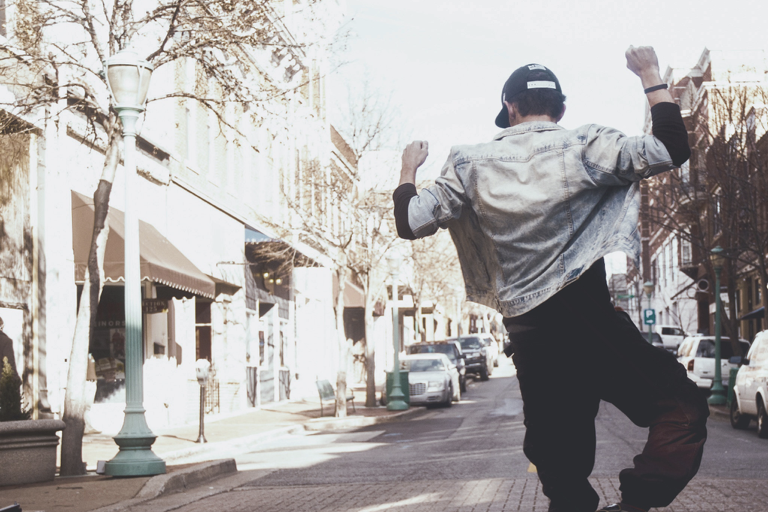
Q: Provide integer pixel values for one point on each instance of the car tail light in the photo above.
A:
(690, 365)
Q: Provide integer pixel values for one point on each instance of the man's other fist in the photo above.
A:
(415, 154)
(642, 60)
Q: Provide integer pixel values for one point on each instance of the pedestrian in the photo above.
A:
(532, 213)
(6, 349)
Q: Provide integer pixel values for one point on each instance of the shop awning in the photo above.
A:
(161, 261)
(758, 313)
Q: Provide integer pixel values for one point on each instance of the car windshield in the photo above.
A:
(446, 349)
(470, 344)
(424, 365)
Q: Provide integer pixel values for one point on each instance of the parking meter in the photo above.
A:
(202, 366)
(201, 370)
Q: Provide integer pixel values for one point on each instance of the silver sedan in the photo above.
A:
(429, 378)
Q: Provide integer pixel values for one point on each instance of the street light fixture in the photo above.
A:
(396, 400)
(718, 391)
(128, 82)
(648, 289)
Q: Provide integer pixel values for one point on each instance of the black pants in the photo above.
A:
(575, 350)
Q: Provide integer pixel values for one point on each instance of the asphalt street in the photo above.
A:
(458, 457)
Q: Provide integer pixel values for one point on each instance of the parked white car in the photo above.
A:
(491, 346)
(697, 354)
(751, 389)
(432, 379)
(672, 336)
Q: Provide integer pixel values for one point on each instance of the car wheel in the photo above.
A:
(483, 373)
(738, 420)
(762, 420)
(449, 400)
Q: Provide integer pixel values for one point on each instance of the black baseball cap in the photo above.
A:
(520, 81)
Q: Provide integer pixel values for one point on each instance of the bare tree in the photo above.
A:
(436, 271)
(718, 197)
(52, 63)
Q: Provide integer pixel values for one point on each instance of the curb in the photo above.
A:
(179, 480)
(169, 483)
(319, 424)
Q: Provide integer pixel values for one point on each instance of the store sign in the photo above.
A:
(151, 306)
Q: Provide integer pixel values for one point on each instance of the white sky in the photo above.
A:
(445, 61)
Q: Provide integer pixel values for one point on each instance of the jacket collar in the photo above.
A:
(534, 126)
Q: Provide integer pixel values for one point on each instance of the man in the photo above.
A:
(6, 349)
(532, 213)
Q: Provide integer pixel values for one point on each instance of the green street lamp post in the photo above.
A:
(128, 81)
(648, 289)
(396, 400)
(718, 391)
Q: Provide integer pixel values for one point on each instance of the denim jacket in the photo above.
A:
(530, 211)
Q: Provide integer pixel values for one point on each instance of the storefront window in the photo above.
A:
(108, 346)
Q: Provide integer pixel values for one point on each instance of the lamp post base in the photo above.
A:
(717, 397)
(396, 402)
(135, 457)
(397, 405)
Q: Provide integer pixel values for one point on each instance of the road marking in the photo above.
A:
(531, 468)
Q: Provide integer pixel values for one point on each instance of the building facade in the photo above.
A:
(712, 200)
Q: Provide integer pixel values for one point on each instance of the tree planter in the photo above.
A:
(28, 451)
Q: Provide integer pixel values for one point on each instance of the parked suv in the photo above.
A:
(751, 389)
(450, 348)
(671, 336)
(697, 354)
(477, 356)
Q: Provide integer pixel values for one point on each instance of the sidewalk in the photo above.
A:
(81, 494)
(251, 426)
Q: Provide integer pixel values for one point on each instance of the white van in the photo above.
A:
(671, 336)
(751, 389)
(697, 355)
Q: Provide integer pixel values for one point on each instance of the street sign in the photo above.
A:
(649, 316)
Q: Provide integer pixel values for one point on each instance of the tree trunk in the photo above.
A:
(370, 353)
(344, 347)
(74, 399)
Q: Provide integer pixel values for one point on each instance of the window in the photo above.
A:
(673, 261)
(717, 222)
(707, 348)
(189, 149)
(3, 32)
(685, 173)
(685, 249)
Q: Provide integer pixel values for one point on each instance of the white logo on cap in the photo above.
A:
(536, 66)
(542, 84)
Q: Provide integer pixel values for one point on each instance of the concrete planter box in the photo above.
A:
(28, 451)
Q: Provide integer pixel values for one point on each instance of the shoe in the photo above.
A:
(616, 507)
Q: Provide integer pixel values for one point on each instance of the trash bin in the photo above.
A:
(731, 383)
(403, 386)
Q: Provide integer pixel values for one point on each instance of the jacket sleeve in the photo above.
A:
(420, 214)
(612, 158)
